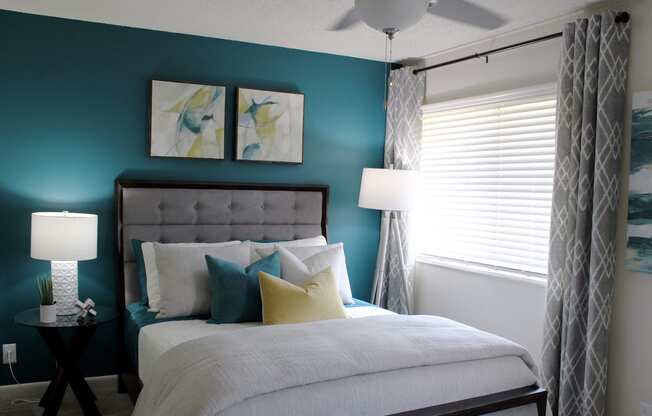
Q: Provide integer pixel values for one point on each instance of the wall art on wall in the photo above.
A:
(187, 120)
(639, 219)
(269, 126)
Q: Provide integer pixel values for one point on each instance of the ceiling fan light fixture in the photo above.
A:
(391, 16)
(390, 32)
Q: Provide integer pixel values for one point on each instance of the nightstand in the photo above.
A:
(67, 355)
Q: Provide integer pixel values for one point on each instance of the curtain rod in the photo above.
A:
(622, 17)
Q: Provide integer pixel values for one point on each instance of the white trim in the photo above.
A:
(482, 270)
(497, 97)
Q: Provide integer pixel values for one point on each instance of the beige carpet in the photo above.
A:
(21, 400)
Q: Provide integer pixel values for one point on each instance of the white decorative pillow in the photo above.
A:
(272, 247)
(299, 264)
(151, 269)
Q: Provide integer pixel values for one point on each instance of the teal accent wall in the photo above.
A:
(74, 116)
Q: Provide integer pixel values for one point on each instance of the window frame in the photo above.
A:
(480, 268)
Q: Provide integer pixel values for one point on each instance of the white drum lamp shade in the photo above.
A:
(64, 238)
(388, 189)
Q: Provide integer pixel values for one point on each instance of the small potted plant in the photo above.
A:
(48, 308)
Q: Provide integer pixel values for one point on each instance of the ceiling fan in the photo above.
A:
(392, 16)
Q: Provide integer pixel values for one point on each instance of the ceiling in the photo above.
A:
(299, 24)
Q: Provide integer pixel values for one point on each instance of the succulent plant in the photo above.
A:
(44, 284)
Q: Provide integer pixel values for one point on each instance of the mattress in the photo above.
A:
(365, 394)
(155, 337)
(396, 391)
(138, 317)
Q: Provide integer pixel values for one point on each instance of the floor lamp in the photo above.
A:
(391, 191)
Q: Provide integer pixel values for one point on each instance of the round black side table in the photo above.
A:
(67, 356)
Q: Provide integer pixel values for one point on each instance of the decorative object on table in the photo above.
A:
(270, 126)
(391, 191)
(47, 308)
(67, 355)
(638, 256)
(64, 238)
(187, 120)
(86, 310)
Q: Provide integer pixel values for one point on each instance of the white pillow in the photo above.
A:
(299, 264)
(151, 271)
(272, 247)
(183, 276)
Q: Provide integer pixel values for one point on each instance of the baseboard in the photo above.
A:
(101, 385)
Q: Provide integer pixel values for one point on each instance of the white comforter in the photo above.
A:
(234, 373)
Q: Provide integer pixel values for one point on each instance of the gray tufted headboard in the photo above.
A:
(175, 212)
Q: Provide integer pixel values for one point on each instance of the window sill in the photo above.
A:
(486, 271)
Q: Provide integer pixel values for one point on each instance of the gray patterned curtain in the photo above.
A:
(402, 150)
(591, 100)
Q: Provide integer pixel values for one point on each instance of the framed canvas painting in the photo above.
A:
(269, 126)
(638, 256)
(187, 120)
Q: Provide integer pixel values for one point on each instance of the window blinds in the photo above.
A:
(487, 171)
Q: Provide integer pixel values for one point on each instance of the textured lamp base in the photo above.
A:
(64, 286)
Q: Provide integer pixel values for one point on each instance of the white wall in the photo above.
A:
(515, 309)
(509, 308)
(519, 68)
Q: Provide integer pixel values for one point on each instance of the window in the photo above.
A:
(487, 170)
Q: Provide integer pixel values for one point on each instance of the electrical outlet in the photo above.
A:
(9, 353)
(646, 409)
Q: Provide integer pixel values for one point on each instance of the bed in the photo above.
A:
(412, 385)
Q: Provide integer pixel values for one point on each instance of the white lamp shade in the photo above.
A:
(64, 236)
(388, 189)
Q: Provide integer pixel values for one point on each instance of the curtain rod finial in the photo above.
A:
(622, 17)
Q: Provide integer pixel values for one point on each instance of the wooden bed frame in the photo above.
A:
(130, 382)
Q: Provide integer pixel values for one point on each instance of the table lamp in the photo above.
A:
(388, 190)
(64, 238)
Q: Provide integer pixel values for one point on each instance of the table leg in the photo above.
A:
(79, 343)
(57, 378)
(68, 372)
(52, 401)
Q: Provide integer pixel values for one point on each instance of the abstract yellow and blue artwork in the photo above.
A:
(638, 255)
(270, 126)
(187, 120)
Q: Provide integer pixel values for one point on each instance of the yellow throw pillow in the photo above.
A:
(316, 299)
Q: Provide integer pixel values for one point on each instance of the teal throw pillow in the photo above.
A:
(236, 291)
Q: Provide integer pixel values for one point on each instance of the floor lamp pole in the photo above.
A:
(379, 275)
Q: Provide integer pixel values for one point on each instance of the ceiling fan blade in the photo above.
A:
(466, 12)
(347, 21)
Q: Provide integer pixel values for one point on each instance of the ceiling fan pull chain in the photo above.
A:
(385, 91)
(391, 39)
